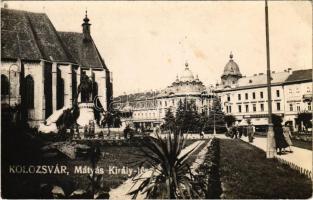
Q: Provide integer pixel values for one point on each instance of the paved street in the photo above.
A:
(300, 157)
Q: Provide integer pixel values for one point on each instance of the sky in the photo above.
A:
(146, 44)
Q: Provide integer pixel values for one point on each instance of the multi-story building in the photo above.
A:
(41, 67)
(149, 109)
(298, 94)
(245, 97)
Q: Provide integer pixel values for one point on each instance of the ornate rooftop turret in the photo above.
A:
(187, 74)
(231, 72)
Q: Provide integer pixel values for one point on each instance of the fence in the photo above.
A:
(306, 172)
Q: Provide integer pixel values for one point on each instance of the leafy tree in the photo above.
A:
(229, 119)
(111, 119)
(306, 119)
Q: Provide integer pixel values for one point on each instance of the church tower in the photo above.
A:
(231, 73)
(86, 29)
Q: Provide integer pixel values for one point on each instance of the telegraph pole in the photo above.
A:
(270, 150)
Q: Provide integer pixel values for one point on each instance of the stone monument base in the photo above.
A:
(86, 114)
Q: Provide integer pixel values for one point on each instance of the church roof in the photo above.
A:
(85, 53)
(30, 36)
(300, 75)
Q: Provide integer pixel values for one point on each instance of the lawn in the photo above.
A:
(247, 174)
(111, 156)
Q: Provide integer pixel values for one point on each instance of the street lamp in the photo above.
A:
(270, 150)
(14, 65)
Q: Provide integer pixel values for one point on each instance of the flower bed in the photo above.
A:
(207, 181)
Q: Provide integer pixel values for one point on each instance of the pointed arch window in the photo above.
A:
(5, 85)
(29, 97)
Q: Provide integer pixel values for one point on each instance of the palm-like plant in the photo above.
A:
(171, 175)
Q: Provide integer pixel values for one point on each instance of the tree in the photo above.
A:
(111, 119)
(306, 119)
(216, 116)
(187, 117)
(170, 121)
(229, 119)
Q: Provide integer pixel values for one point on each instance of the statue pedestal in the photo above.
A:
(86, 114)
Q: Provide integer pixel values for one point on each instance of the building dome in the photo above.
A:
(187, 74)
(231, 68)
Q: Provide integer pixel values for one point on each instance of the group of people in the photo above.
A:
(282, 135)
(237, 132)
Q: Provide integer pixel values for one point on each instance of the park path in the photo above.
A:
(121, 191)
(300, 157)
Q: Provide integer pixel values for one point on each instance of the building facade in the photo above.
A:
(149, 109)
(41, 68)
(245, 97)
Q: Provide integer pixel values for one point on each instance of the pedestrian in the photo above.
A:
(126, 131)
(240, 131)
(234, 132)
(279, 135)
(201, 135)
(287, 135)
(250, 132)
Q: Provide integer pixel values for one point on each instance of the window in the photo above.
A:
(246, 96)
(160, 103)
(297, 90)
(239, 97)
(262, 106)
(165, 102)
(290, 91)
(254, 107)
(250, 81)
(277, 93)
(233, 82)
(261, 95)
(5, 85)
(298, 107)
(309, 106)
(253, 95)
(247, 108)
(226, 109)
(173, 101)
(308, 89)
(228, 97)
(239, 108)
(229, 109)
(278, 106)
(290, 107)
(29, 92)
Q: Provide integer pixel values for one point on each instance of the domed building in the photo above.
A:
(245, 97)
(231, 73)
(149, 109)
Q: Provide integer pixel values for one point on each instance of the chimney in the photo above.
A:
(5, 5)
(86, 29)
